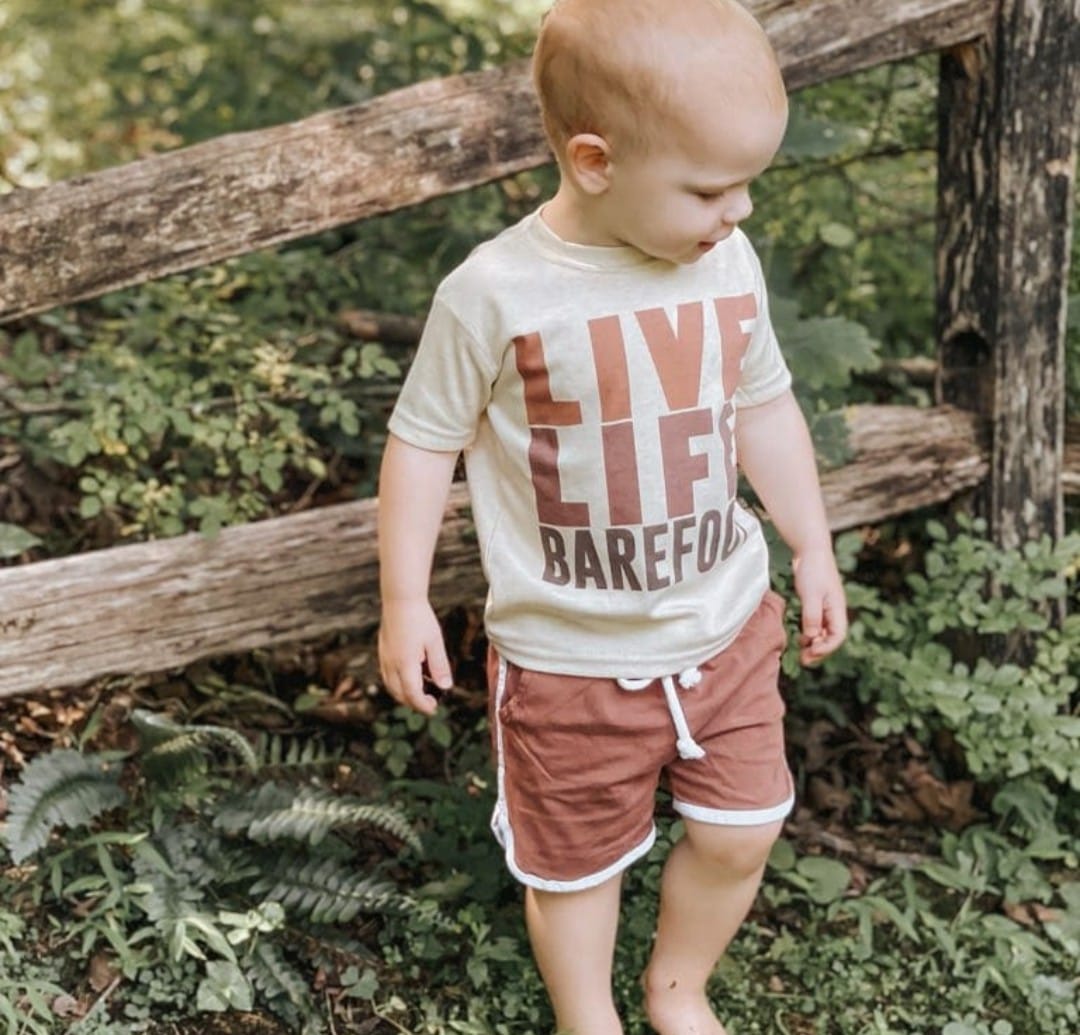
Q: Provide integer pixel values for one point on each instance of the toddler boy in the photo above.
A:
(603, 364)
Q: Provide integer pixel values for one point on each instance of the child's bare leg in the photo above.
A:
(573, 940)
(708, 886)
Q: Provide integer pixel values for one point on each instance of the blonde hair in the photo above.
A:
(616, 67)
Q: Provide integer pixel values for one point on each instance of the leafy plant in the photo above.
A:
(60, 788)
(206, 863)
(178, 413)
(25, 989)
(274, 812)
(15, 540)
(922, 661)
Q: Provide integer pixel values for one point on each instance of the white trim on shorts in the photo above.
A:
(504, 833)
(734, 817)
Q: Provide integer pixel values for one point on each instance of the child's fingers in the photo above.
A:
(811, 619)
(835, 622)
(405, 646)
(407, 687)
(829, 637)
(438, 664)
(404, 682)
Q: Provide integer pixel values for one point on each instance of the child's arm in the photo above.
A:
(777, 456)
(413, 487)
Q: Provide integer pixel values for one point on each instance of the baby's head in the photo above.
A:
(636, 87)
(633, 70)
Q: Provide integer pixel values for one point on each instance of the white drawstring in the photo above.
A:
(686, 745)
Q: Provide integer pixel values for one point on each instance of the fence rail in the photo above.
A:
(245, 191)
(160, 605)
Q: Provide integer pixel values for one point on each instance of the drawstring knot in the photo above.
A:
(689, 677)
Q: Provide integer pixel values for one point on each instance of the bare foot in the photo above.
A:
(674, 1012)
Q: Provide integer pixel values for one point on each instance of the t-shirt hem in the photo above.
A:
(621, 666)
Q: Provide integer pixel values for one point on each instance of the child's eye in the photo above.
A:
(708, 195)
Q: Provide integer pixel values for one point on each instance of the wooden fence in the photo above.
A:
(1008, 141)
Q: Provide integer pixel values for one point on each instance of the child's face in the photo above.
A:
(690, 190)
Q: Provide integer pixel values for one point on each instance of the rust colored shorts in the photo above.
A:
(579, 758)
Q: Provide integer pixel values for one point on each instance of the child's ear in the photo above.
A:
(588, 160)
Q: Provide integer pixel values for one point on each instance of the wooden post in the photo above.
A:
(1008, 134)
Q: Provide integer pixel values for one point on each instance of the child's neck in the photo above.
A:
(575, 219)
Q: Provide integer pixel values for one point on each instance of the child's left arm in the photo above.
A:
(777, 456)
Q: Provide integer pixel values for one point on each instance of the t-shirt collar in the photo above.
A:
(582, 256)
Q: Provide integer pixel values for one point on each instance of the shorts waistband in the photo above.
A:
(689, 677)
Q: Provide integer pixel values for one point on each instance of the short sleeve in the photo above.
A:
(764, 374)
(447, 388)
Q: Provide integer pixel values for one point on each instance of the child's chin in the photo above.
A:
(693, 256)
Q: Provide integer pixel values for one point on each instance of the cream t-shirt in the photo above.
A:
(595, 393)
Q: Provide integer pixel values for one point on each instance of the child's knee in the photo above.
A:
(736, 851)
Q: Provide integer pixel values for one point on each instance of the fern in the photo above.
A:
(328, 891)
(292, 757)
(275, 751)
(275, 812)
(186, 853)
(62, 787)
(285, 990)
(177, 752)
(180, 913)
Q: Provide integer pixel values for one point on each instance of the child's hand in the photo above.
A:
(824, 608)
(409, 637)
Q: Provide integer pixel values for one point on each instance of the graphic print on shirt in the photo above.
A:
(629, 552)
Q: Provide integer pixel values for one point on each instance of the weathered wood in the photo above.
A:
(817, 40)
(159, 605)
(1008, 135)
(388, 328)
(1070, 476)
(246, 191)
(904, 458)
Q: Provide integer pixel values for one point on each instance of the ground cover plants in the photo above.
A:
(264, 843)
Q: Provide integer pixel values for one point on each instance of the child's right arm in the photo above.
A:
(413, 487)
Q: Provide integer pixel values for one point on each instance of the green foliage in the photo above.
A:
(177, 411)
(295, 754)
(845, 219)
(824, 354)
(985, 950)
(152, 74)
(15, 540)
(59, 788)
(205, 864)
(275, 812)
(26, 990)
(398, 734)
(328, 891)
(282, 985)
(923, 661)
(174, 752)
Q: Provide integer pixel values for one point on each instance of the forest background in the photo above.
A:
(264, 843)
